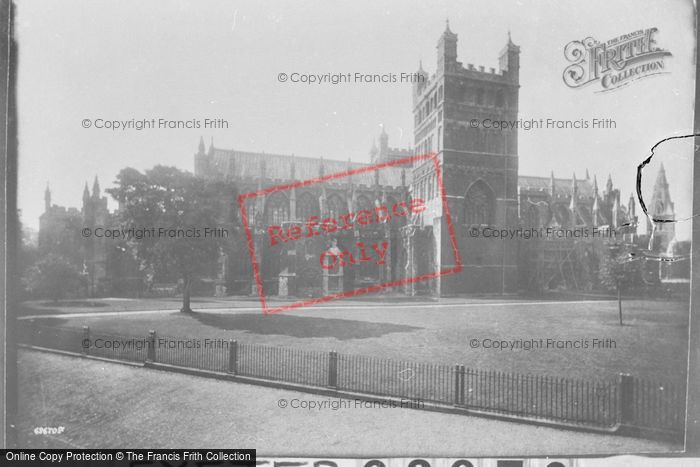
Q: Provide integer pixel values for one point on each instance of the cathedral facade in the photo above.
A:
(480, 179)
(482, 189)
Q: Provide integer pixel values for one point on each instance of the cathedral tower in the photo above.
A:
(453, 114)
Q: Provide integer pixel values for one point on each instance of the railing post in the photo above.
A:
(626, 399)
(459, 384)
(333, 369)
(85, 344)
(151, 355)
(233, 357)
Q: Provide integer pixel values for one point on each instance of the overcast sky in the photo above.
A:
(194, 60)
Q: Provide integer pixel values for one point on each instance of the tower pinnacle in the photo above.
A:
(47, 198)
(96, 188)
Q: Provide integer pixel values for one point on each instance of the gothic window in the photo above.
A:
(364, 202)
(307, 206)
(478, 204)
(500, 99)
(480, 96)
(533, 216)
(440, 93)
(336, 206)
(251, 210)
(277, 209)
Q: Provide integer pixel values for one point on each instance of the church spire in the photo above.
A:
(574, 201)
(661, 204)
(595, 210)
(552, 186)
(200, 149)
(373, 152)
(211, 146)
(383, 142)
(86, 196)
(631, 208)
(609, 185)
(96, 188)
(616, 211)
(47, 198)
(447, 26)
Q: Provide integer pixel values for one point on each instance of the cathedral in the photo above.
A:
(481, 182)
(482, 186)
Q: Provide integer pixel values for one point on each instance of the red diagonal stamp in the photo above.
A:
(346, 234)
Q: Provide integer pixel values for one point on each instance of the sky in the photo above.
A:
(189, 60)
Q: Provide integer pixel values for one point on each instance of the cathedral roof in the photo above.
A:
(279, 167)
(562, 186)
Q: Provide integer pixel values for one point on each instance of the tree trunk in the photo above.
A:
(619, 302)
(186, 296)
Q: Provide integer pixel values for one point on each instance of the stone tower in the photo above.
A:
(453, 111)
(661, 209)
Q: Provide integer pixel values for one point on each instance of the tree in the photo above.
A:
(176, 208)
(53, 276)
(621, 269)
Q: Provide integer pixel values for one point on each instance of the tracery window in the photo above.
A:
(478, 204)
(277, 209)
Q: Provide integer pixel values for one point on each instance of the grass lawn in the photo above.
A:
(652, 344)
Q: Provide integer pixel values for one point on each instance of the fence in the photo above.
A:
(628, 401)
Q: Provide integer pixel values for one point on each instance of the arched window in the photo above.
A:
(307, 206)
(276, 209)
(251, 207)
(478, 204)
(336, 206)
(364, 202)
(533, 216)
(480, 96)
(500, 99)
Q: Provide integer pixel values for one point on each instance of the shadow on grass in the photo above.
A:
(299, 326)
